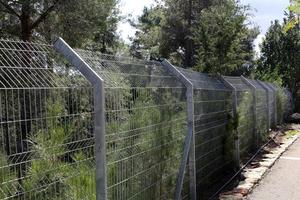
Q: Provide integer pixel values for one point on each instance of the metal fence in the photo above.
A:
(212, 101)
(77, 124)
(46, 135)
(245, 115)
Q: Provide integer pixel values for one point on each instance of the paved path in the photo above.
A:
(283, 181)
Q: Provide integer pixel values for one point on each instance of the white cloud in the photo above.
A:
(133, 8)
(257, 43)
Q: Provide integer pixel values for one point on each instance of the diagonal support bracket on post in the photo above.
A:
(99, 112)
(189, 143)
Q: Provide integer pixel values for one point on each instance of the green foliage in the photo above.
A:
(280, 57)
(246, 126)
(49, 174)
(147, 39)
(165, 30)
(7, 187)
(282, 101)
(143, 143)
(271, 77)
(177, 42)
(292, 133)
(231, 136)
(295, 6)
(210, 36)
(81, 184)
(293, 21)
(151, 138)
(233, 123)
(91, 23)
(224, 39)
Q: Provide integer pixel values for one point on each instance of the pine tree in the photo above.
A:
(280, 55)
(225, 43)
(146, 42)
(90, 23)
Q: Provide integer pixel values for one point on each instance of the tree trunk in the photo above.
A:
(26, 31)
(26, 35)
(26, 23)
(25, 129)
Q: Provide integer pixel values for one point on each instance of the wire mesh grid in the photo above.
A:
(279, 99)
(245, 114)
(212, 107)
(271, 103)
(284, 103)
(145, 126)
(262, 112)
(45, 130)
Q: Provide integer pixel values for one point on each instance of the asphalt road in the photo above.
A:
(283, 181)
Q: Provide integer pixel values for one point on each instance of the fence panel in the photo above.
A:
(284, 103)
(275, 109)
(188, 163)
(51, 146)
(146, 124)
(46, 135)
(262, 112)
(212, 106)
(271, 103)
(245, 114)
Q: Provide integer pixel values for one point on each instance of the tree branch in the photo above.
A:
(43, 16)
(9, 9)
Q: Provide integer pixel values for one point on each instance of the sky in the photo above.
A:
(133, 8)
(263, 12)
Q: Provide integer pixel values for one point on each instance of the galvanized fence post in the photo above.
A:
(253, 88)
(189, 144)
(99, 112)
(268, 104)
(235, 115)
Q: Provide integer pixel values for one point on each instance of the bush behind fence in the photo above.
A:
(53, 144)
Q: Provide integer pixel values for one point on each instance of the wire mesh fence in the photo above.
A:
(55, 145)
(261, 111)
(45, 134)
(271, 103)
(212, 107)
(245, 113)
(145, 126)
